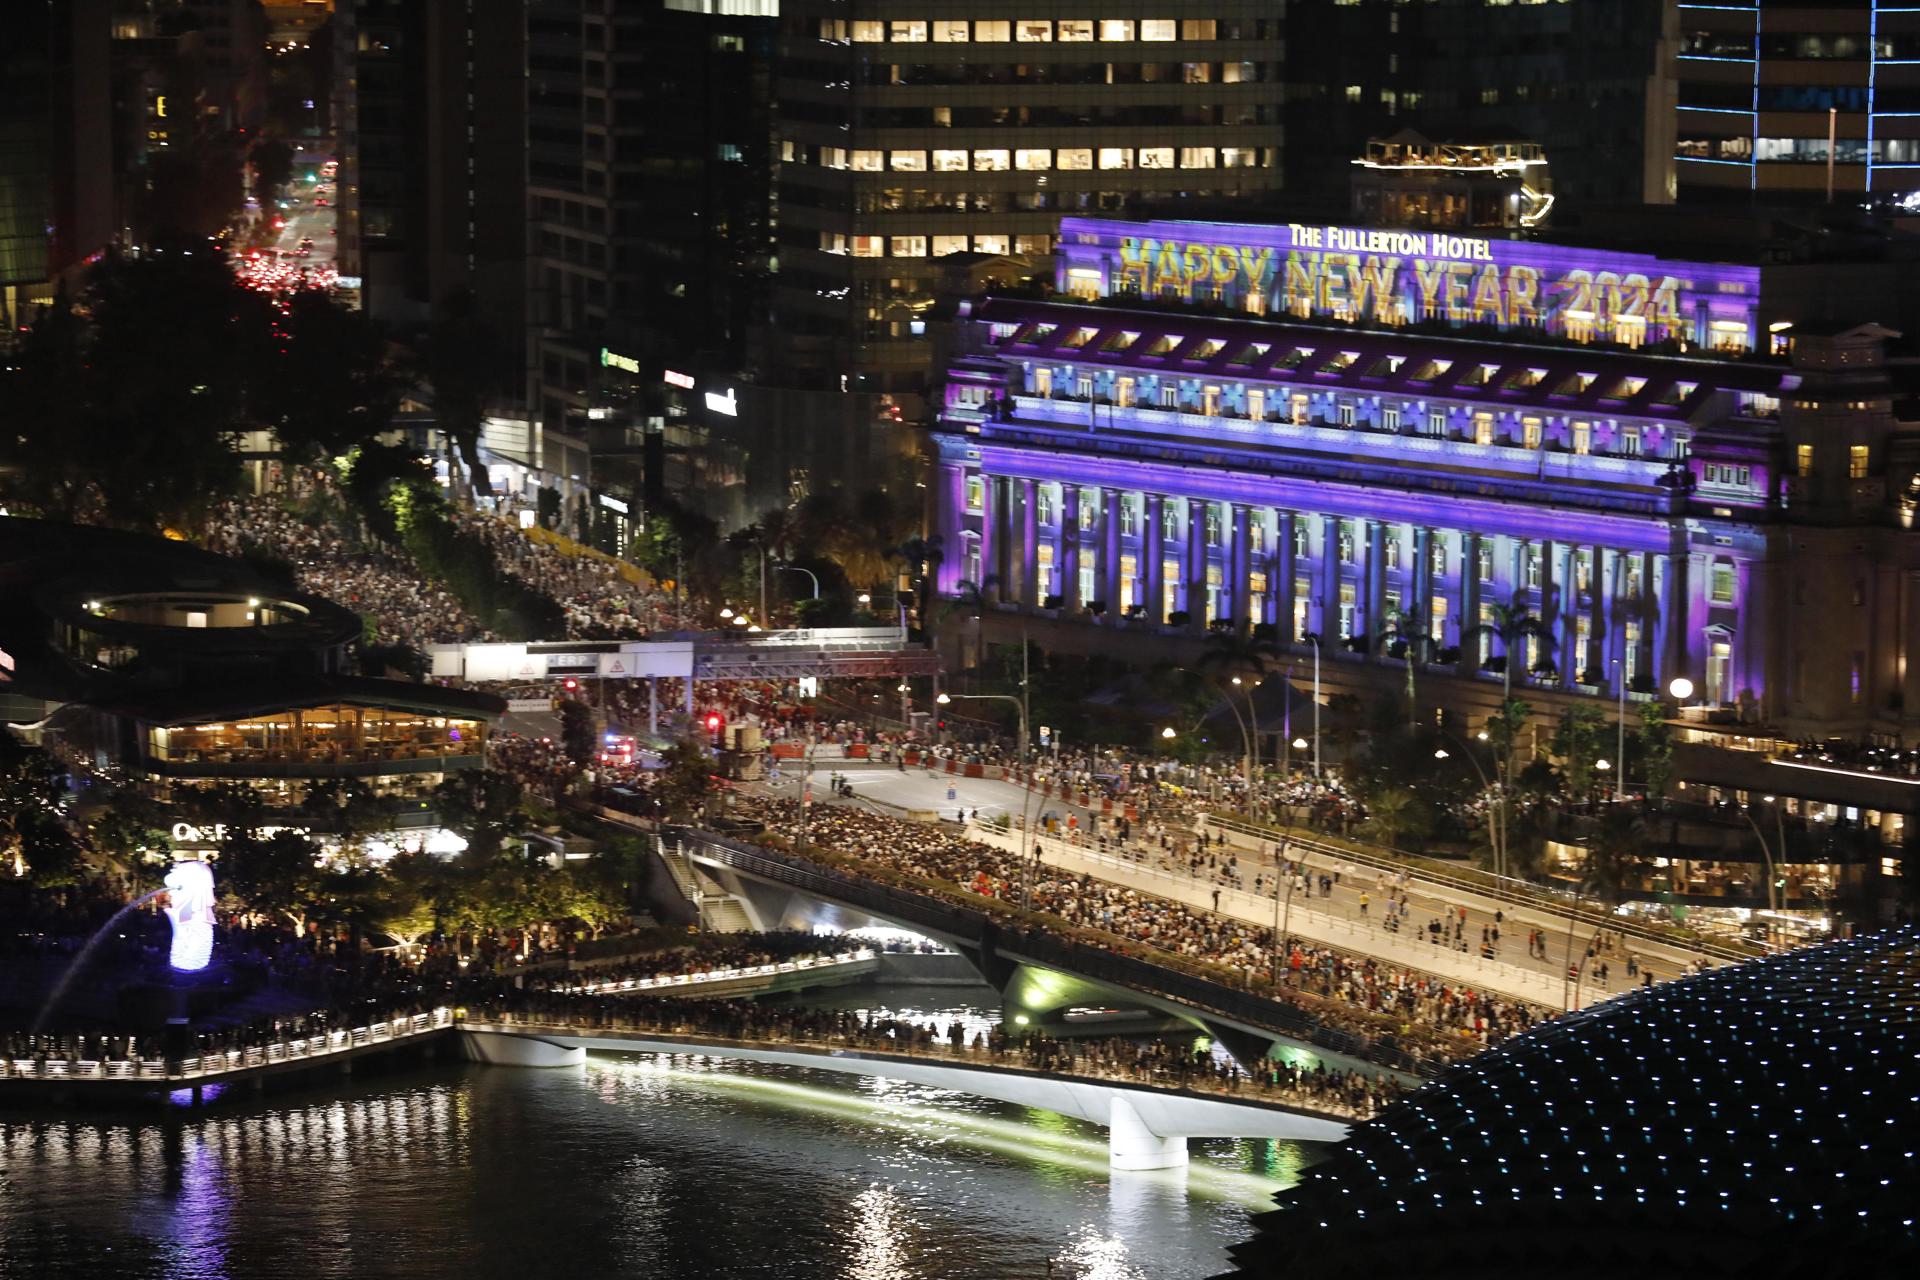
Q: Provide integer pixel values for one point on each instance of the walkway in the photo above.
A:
(753, 980)
(1148, 1120)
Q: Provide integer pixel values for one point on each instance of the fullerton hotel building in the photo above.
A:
(1391, 444)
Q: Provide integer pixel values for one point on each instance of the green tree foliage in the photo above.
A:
(684, 781)
(133, 830)
(1577, 741)
(577, 735)
(1397, 818)
(277, 874)
(411, 897)
(484, 805)
(35, 838)
(1654, 738)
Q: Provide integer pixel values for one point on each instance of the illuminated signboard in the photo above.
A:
(723, 404)
(1402, 277)
(610, 359)
(674, 378)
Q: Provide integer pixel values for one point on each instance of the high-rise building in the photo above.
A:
(914, 130)
(56, 148)
(1589, 81)
(1782, 102)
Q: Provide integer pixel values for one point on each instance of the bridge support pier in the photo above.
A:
(1131, 1145)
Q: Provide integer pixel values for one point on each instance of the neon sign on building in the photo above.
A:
(1379, 276)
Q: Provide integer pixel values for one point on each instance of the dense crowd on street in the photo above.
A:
(1242, 954)
(599, 602)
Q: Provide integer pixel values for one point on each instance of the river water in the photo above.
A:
(634, 1166)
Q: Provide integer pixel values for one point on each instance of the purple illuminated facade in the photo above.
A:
(1133, 473)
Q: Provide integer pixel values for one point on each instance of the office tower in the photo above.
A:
(911, 133)
(1589, 81)
(1780, 102)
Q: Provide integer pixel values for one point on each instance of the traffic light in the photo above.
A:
(570, 685)
(714, 725)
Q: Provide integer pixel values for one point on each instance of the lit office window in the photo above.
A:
(1158, 29)
(1033, 158)
(1033, 31)
(1073, 158)
(944, 245)
(1116, 29)
(992, 32)
(869, 32)
(865, 161)
(990, 244)
(907, 247)
(1116, 157)
(1077, 32)
(908, 161)
(990, 161)
(1196, 157)
(947, 31)
(1803, 460)
(907, 32)
(1239, 158)
(950, 161)
(1857, 462)
(1155, 158)
(1037, 246)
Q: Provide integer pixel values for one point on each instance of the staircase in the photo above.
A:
(719, 911)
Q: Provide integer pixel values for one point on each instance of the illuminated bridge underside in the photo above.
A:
(1147, 1128)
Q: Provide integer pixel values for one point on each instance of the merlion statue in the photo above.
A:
(190, 908)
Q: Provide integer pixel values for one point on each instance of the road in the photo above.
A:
(1164, 873)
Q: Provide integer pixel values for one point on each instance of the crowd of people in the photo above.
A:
(599, 602)
(1160, 1062)
(377, 581)
(714, 953)
(1358, 994)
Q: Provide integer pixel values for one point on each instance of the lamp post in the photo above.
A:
(1020, 704)
(794, 568)
(1313, 638)
(1620, 678)
(1496, 814)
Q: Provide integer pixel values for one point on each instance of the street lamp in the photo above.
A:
(741, 620)
(1020, 704)
(1620, 678)
(864, 598)
(1313, 638)
(1168, 732)
(1681, 688)
(726, 611)
(794, 568)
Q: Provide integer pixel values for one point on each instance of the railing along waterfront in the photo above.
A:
(202, 1067)
(685, 981)
(1043, 942)
(1240, 1088)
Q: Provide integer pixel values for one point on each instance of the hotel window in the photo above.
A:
(1630, 442)
(1256, 596)
(1169, 396)
(976, 494)
(866, 161)
(973, 560)
(1856, 462)
(1129, 575)
(1583, 647)
(1437, 619)
(907, 247)
(1436, 422)
(869, 32)
(1212, 524)
(1632, 586)
(1301, 586)
(1257, 534)
(1210, 400)
(1116, 157)
(1483, 561)
(1631, 639)
(1483, 429)
(1033, 31)
(1583, 437)
(1803, 460)
(1301, 538)
(948, 31)
(1391, 548)
(1437, 556)
(1348, 598)
(1074, 158)
(1485, 634)
(1346, 413)
(992, 32)
(1722, 583)
(907, 32)
(1155, 29)
(1123, 392)
(1129, 515)
(1043, 504)
(1043, 381)
(1089, 508)
(1719, 669)
(1345, 540)
(1170, 592)
(1256, 404)
(1298, 408)
(1530, 433)
(1075, 32)
(1116, 29)
(1534, 564)
(944, 245)
(1043, 569)
(950, 161)
(1583, 570)
(1156, 157)
(1033, 158)
(1856, 675)
(989, 161)
(1390, 417)
(1196, 157)
(1083, 386)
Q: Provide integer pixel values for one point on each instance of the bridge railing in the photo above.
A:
(1327, 1104)
(672, 981)
(1166, 977)
(228, 1061)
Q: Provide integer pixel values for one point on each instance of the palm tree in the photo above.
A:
(923, 557)
(1403, 628)
(1510, 623)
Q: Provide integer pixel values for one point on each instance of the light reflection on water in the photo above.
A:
(636, 1166)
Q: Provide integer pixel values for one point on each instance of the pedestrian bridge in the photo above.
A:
(1147, 1124)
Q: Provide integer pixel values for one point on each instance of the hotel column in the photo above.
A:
(1608, 616)
(1070, 600)
(1325, 615)
(1374, 575)
(991, 541)
(1421, 606)
(1153, 528)
(1029, 550)
(1671, 640)
(1280, 591)
(1516, 583)
(1238, 580)
(1566, 596)
(1469, 596)
(1110, 550)
(1196, 564)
